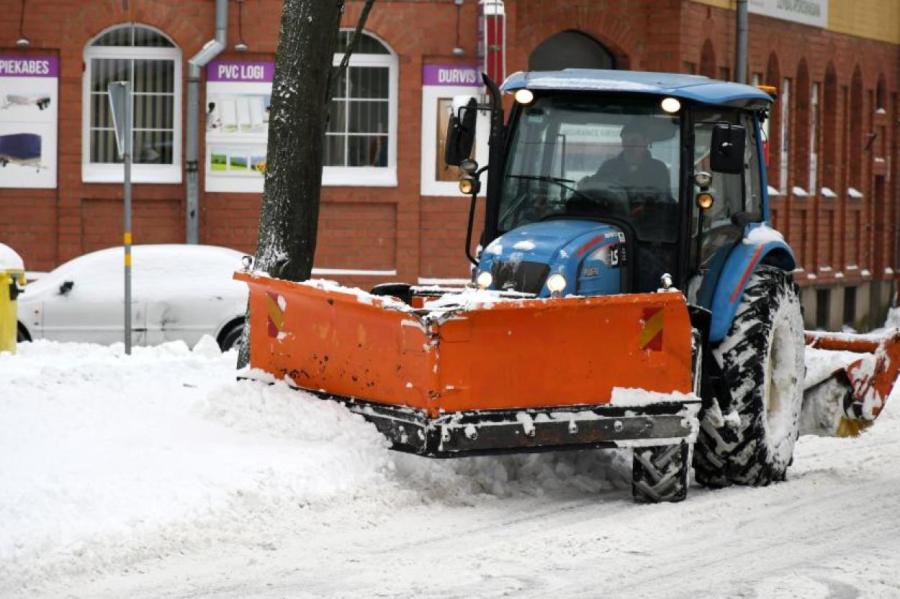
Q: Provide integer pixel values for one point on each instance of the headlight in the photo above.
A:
(556, 283)
(484, 279)
(524, 96)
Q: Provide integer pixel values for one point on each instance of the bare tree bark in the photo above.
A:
(301, 89)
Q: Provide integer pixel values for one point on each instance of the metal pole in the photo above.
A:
(126, 238)
(740, 45)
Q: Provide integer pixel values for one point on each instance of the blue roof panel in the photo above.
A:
(696, 88)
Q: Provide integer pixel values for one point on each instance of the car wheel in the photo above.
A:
(231, 338)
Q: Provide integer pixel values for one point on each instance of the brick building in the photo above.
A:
(390, 212)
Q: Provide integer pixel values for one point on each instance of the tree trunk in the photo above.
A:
(300, 92)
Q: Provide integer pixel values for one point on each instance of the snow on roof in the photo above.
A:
(9, 259)
(689, 87)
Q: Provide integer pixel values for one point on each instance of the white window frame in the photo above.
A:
(371, 176)
(784, 136)
(99, 172)
(813, 136)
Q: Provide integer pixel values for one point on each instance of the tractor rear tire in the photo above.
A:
(660, 473)
(752, 441)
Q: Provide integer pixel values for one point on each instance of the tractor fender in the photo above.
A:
(760, 245)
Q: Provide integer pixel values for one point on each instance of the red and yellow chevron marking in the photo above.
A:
(274, 303)
(652, 333)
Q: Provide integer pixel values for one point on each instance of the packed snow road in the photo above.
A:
(159, 475)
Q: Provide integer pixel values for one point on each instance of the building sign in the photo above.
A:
(440, 83)
(238, 97)
(808, 12)
(28, 120)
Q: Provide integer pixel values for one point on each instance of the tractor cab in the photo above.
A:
(616, 182)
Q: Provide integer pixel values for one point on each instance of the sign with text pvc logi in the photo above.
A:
(808, 12)
(440, 84)
(238, 97)
(28, 120)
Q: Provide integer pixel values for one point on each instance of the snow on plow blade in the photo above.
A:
(496, 376)
(848, 397)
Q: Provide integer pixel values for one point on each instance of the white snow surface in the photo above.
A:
(762, 234)
(161, 475)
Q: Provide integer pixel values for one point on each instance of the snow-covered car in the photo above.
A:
(178, 292)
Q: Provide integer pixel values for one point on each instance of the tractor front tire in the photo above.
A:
(660, 473)
(752, 441)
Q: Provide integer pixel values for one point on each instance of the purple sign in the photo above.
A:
(450, 74)
(240, 71)
(29, 66)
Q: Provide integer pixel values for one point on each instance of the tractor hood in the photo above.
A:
(586, 253)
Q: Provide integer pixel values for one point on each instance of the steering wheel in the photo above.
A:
(609, 198)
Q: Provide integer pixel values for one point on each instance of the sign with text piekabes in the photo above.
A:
(238, 96)
(28, 120)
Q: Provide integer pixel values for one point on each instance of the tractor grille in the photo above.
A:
(527, 277)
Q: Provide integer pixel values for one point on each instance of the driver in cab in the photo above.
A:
(633, 171)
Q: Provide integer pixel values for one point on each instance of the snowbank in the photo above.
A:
(108, 460)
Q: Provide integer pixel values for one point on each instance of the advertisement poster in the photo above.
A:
(440, 83)
(28, 118)
(238, 97)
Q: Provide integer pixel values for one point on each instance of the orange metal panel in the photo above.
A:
(512, 354)
(565, 351)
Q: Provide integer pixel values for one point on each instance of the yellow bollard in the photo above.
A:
(12, 282)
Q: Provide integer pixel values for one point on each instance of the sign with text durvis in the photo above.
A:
(238, 97)
(28, 120)
(808, 12)
(440, 83)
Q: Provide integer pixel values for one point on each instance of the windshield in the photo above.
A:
(584, 155)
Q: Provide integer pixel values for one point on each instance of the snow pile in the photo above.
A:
(106, 457)
(762, 234)
(628, 397)
(109, 460)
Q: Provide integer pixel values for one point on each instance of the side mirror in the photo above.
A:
(66, 287)
(461, 133)
(727, 151)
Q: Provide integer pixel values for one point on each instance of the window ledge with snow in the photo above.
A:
(772, 191)
(854, 193)
(799, 191)
(349, 176)
(827, 192)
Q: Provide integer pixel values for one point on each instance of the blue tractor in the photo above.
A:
(621, 182)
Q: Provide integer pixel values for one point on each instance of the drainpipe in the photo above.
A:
(740, 44)
(210, 50)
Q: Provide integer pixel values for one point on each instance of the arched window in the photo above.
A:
(829, 129)
(570, 49)
(804, 114)
(880, 94)
(855, 157)
(777, 129)
(708, 59)
(361, 139)
(152, 63)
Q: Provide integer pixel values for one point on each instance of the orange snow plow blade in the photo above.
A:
(846, 400)
(518, 354)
